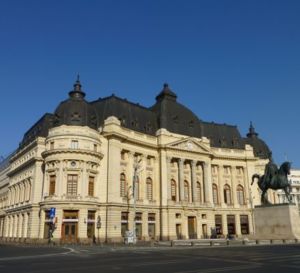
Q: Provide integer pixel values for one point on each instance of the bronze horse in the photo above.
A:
(278, 181)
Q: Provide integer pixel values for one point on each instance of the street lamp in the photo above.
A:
(98, 226)
(136, 166)
(252, 208)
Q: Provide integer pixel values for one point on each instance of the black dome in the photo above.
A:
(260, 148)
(76, 110)
(173, 116)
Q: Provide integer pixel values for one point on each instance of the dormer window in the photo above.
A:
(191, 124)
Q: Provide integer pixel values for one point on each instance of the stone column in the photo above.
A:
(25, 225)
(61, 186)
(181, 179)
(194, 181)
(113, 160)
(41, 224)
(234, 186)
(145, 234)
(20, 222)
(8, 227)
(207, 182)
(238, 225)
(164, 225)
(224, 224)
(168, 170)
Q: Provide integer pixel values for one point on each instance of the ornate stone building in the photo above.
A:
(294, 179)
(192, 177)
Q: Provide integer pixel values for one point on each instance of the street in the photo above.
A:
(270, 258)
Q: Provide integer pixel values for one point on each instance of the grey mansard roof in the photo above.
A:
(165, 113)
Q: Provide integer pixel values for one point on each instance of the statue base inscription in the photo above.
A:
(280, 221)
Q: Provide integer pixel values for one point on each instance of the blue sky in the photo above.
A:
(228, 61)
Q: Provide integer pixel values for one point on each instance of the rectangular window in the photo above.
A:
(151, 217)
(52, 185)
(151, 230)
(124, 222)
(124, 216)
(244, 224)
(218, 224)
(51, 145)
(148, 160)
(231, 224)
(138, 216)
(124, 228)
(95, 147)
(72, 184)
(74, 144)
(139, 232)
(91, 186)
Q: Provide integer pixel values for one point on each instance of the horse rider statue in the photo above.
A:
(275, 179)
(271, 170)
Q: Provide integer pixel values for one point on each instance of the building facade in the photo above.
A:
(294, 179)
(192, 178)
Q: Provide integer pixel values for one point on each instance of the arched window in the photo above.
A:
(227, 195)
(149, 187)
(173, 190)
(137, 189)
(198, 192)
(186, 191)
(122, 185)
(240, 195)
(215, 194)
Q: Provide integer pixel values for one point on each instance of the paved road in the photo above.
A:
(272, 258)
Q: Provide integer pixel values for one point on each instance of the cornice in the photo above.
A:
(72, 151)
(24, 165)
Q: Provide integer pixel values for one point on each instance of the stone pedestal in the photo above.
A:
(280, 221)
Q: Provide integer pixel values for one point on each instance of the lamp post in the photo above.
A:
(136, 166)
(98, 226)
(252, 212)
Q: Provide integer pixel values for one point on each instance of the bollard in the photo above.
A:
(257, 242)
(271, 241)
(211, 243)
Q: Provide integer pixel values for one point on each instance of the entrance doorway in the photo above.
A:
(192, 229)
(70, 227)
(231, 224)
(178, 231)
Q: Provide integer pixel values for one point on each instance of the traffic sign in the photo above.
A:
(52, 213)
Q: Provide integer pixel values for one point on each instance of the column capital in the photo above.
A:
(169, 159)
(180, 161)
(193, 163)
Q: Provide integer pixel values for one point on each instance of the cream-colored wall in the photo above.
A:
(32, 167)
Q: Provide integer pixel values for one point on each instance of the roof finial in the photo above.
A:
(252, 132)
(77, 92)
(166, 93)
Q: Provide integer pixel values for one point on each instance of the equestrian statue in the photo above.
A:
(275, 179)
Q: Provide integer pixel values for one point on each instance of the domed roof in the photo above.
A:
(173, 116)
(76, 110)
(260, 148)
